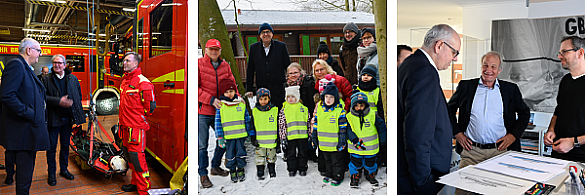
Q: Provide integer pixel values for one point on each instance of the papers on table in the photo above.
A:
(530, 167)
(484, 182)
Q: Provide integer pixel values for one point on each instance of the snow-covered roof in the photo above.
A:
(257, 17)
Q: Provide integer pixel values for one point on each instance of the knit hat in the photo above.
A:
(265, 26)
(370, 30)
(359, 97)
(294, 91)
(212, 43)
(226, 84)
(323, 82)
(353, 27)
(371, 70)
(323, 48)
(262, 92)
(330, 89)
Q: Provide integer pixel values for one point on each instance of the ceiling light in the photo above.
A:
(37, 30)
(128, 9)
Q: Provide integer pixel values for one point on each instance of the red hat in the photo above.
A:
(212, 43)
(226, 84)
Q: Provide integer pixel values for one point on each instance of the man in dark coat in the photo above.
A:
(63, 110)
(348, 55)
(23, 130)
(424, 127)
(267, 62)
(324, 54)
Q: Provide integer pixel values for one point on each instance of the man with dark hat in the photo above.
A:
(267, 63)
(348, 54)
(325, 54)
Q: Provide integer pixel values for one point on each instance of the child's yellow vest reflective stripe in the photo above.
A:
(368, 133)
(328, 128)
(296, 120)
(233, 121)
(266, 127)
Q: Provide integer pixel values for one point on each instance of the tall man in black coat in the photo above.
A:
(424, 128)
(23, 130)
(487, 124)
(268, 61)
(63, 110)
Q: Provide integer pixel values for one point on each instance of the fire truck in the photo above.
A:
(98, 83)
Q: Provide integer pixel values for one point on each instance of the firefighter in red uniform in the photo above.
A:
(136, 103)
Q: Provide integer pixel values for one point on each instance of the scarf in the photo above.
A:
(367, 86)
(266, 107)
(298, 81)
(230, 101)
(329, 60)
(351, 44)
(366, 51)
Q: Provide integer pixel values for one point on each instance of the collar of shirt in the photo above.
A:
(267, 49)
(60, 76)
(430, 60)
(497, 84)
(574, 78)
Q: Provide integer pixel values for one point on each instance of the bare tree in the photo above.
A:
(335, 5)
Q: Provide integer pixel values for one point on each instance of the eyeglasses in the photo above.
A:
(39, 50)
(348, 32)
(562, 52)
(454, 51)
(58, 63)
(266, 32)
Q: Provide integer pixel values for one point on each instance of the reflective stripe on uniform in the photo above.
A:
(232, 121)
(328, 129)
(296, 117)
(367, 132)
(266, 127)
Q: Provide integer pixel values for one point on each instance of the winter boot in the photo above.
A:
(233, 176)
(292, 173)
(371, 177)
(355, 180)
(271, 170)
(326, 179)
(241, 174)
(335, 182)
(205, 182)
(219, 171)
(260, 169)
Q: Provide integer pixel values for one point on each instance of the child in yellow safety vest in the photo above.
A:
(367, 85)
(293, 127)
(366, 133)
(232, 127)
(264, 117)
(329, 134)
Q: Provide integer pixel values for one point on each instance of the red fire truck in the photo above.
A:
(100, 83)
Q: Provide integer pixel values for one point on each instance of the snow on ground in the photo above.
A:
(282, 183)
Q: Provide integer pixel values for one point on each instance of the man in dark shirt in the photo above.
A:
(566, 131)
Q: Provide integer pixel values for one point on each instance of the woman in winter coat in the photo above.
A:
(321, 69)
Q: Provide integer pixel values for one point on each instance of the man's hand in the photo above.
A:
(249, 94)
(506, 141)
(216, 103)
(463, 141)
(64, 102)
(563, 145)
(549, 137)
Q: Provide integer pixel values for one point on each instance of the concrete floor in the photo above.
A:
(86, 181)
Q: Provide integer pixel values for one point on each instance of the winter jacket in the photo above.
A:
(344, 87)
(335, 65)
(307, 91)
(54, 96)
(209, 78)
(269, 70)
(349, 58)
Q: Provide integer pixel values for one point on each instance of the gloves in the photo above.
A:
(359, 144)
(284, 144)
(254, 141)
(342, 142)
(221, 142)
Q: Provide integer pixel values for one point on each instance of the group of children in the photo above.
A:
(331, 129)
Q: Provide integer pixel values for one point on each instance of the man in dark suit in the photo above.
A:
(268, 62)
(487, 124)
(23, 130)
(424, 128)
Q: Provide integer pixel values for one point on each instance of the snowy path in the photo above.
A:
(283, 184)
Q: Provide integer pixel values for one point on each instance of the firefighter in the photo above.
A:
(136, 103)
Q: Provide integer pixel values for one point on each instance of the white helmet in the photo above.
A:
(118, 164)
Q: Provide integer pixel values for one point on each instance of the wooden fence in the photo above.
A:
(306, 61)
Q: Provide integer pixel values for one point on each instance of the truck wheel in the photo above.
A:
(107, 106)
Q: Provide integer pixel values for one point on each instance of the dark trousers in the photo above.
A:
(25, 165)
(235, 153)
(362, 161)
(321, 165)
(206, 121)
(63, 131)
(297, 155)
(334, 165)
